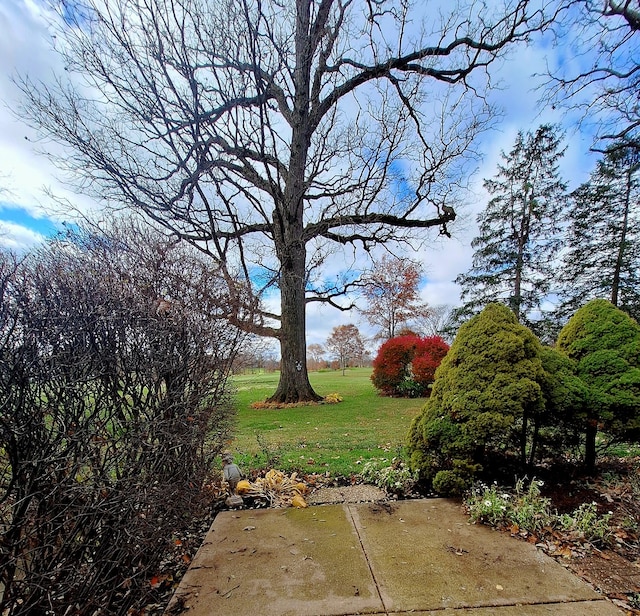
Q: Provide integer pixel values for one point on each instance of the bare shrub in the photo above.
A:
(114, 359)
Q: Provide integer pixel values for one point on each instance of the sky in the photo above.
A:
(27, 177)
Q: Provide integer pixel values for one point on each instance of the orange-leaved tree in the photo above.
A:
(393, 297)
(346, 345)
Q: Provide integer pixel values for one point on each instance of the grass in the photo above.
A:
(333, 438)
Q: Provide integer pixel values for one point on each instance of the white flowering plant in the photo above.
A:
(527, 511)
(489, 505)
(525, 508)
(587, 523)
(394, 478)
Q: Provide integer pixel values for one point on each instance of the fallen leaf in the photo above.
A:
(157, 580)
(249, 528)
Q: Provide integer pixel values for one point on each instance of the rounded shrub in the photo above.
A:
(487, 402)
(405, 366)
(604, 343)
(565, 394)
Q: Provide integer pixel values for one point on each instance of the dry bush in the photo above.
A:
(113, 387)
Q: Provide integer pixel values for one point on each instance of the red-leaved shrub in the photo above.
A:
(406, 365)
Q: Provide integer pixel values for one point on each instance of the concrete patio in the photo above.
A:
(418, 556)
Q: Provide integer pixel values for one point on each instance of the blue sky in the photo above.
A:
(27, 178)
(13, 214)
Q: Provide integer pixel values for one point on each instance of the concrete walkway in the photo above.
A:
(420, 557)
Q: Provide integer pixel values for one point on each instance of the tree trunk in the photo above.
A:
(523, 241)
(615, 286)
(294, 385)
(288, 226)
(523, 441)
(534, 443)
(590, 445)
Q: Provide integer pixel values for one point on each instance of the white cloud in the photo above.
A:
(25, 48)
(28, 177)
(18, 238)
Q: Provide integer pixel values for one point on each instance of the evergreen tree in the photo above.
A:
(487, 402)
(603, 244)
(519, 229)
(605, 344)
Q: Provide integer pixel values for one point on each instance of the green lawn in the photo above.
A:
(336, 438)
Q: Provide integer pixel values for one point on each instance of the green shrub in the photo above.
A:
(487, 402)
(411, 389)
(450, 482)
(604, 343)
(564, 394)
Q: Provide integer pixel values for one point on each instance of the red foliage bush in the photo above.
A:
(429, 353)
(406, 365)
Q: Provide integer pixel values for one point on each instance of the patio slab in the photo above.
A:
(417, 556)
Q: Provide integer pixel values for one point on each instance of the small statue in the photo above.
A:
(231, 473)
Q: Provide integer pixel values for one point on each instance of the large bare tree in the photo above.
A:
(602, 80)
(270, 133)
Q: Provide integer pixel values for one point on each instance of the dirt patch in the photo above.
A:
(613, 576)
(608, 572)
(382, 508)
(359, 493)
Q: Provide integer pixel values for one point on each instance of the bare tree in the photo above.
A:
(315, 353)
(268, 133)
(255, 354)
(113, 406)
(346, 345)
(603, 82)
(392, 293)
(438, 321)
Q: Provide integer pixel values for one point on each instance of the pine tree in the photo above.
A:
(603, 245)
(519, 229)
